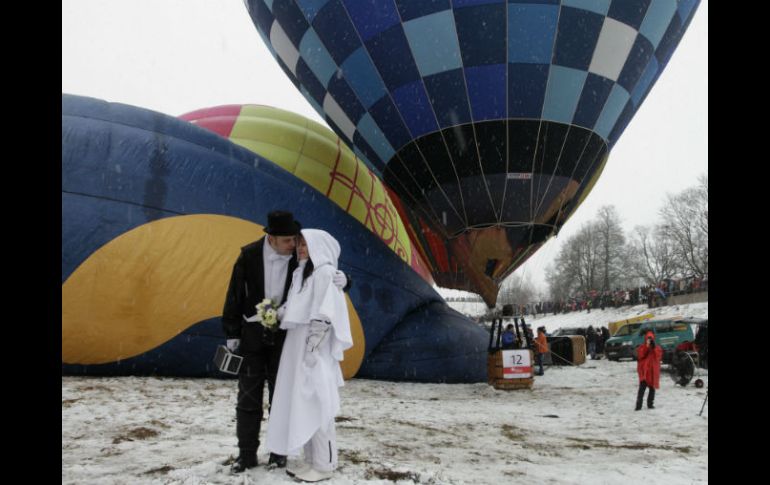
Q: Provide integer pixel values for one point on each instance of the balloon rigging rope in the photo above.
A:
(464, 217)
(553, 175)
(425, 161)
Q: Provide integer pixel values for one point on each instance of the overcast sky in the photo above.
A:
(176, 56)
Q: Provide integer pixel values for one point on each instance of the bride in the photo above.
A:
(306, 396)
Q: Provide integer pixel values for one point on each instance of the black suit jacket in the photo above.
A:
(247, 288)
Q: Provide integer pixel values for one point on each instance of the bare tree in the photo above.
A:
(564, 274)
(600, 256)
(587, 245)
(575, 268)
(517, 290)
(611, 248)
(558, 284)
(685, 219)
(653, 254)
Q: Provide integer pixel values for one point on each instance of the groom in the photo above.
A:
(263, 270)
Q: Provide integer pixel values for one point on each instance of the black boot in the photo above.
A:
(640, 395)
(246, 459)
(651, 398)
(276, 461)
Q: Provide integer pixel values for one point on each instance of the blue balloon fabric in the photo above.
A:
(478, 113)
(123, 167)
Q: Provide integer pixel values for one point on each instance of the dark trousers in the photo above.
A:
(257, 369)
(640, 395)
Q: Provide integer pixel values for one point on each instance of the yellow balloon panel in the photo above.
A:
(314, 174)
(148, 285)
(329, 166)
(285, 158)
(354, 356)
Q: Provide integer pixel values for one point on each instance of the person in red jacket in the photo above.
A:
(541, 347)
(648, 356)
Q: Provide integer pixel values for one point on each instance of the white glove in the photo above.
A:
(317, 334)
(310, 358)
(280, 312)
(233, 344)
(339, 279)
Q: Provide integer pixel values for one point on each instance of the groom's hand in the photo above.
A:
(339, 279)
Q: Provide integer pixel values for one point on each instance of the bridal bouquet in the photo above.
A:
(267, 314)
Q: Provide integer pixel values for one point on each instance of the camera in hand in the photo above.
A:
(227, 361)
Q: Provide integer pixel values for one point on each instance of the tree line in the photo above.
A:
(602, 257)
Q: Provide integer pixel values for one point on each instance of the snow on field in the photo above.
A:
(577, 425)
(601, 318)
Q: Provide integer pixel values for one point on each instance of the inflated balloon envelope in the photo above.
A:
(314, 154)
(490, 119)
(154, 211)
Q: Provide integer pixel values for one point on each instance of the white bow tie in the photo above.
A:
(278, 257)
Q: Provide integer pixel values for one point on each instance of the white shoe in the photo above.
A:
(313, 475)
(297, 468)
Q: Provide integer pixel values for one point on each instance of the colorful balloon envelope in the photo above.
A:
(314, 154)
(154, 213)
(490, 119)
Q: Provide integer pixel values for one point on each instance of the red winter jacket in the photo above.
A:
(648, 363)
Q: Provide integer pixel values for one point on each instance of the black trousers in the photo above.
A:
(640, 395)
(257, 369)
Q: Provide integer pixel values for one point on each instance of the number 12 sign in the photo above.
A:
(517, 364)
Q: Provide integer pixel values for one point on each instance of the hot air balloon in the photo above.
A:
(490, 119)
(154, 211)
(316, 155)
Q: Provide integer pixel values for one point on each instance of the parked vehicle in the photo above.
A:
(668, 332)
(621, 345)
(568, 346)
(702, 342)
(613, 327)
(565, 331)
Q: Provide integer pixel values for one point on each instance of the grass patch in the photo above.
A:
(140, 433)
(161, 471)
(431, 431)
(588, 444)
(387, 474)
(513, 433)
(353, 457)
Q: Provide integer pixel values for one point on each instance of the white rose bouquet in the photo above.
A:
(267, 314)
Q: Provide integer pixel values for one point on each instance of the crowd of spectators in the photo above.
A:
(651, 295)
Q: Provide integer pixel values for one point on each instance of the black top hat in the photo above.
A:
(282, 223)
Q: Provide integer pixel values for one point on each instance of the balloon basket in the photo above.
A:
(496, 378)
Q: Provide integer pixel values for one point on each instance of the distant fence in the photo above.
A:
(688, 298)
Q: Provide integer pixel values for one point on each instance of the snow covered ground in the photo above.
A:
(601, 318)
(469, 308)
(577, 425)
